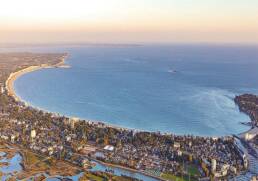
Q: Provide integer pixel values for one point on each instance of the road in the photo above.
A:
(251, 154)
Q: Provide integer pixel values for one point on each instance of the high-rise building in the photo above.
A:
(213, 165)
(33, 134)
(72, 122)
(1, 89)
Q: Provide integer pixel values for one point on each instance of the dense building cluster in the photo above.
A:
(68, 138)
(78, 141)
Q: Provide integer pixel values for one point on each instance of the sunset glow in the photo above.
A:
(129, 20)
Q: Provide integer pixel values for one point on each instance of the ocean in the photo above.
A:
(180, 89)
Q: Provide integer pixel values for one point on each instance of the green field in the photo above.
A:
(191, 169)
(171, 177)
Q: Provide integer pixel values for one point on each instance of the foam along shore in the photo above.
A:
(9, 84)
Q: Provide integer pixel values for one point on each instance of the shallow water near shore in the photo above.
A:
(182, 89)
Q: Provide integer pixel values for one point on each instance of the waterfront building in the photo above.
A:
(251, 134)
(190, 144)
(72, 122)
(176, 145)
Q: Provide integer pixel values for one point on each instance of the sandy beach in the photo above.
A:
(13, 76)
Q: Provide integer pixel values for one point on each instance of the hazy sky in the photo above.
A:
(129, 21)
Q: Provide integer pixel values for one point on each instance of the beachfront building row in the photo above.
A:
(77, 141)
(59, 139)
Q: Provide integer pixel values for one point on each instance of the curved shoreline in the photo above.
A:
(9, 83)
(11, 91)
(15, 75)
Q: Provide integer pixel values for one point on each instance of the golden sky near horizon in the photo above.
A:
(130, 21)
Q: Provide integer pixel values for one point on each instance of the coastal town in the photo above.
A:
(163, 156)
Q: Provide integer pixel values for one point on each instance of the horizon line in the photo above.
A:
(77, 43)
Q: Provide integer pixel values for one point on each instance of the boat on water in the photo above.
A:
(172, 71)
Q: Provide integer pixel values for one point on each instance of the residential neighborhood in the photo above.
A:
(81, 141)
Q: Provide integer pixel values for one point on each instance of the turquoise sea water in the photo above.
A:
(183, 89)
